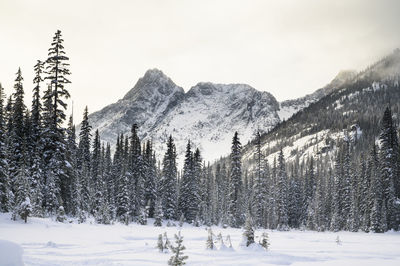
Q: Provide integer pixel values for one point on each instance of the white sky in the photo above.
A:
(289, 48)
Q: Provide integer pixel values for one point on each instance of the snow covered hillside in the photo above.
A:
(46, 242)
(349, 107)
(208, 114)
(290, 107)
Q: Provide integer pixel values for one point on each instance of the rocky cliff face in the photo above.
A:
(208, 114)
(147, 104)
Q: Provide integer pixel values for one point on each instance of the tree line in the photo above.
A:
(47, 169)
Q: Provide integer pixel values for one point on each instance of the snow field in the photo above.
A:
(46, 242)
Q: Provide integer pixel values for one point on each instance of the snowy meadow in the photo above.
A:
(47, 242)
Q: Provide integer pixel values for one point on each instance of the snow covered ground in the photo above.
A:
(46, 242)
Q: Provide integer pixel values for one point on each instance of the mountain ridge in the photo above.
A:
(208, 113)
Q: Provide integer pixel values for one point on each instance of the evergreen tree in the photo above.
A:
(25, 209)
(195, 199)
(97, 182)
(84, 162)
(178, 258)
(365, 183)
(336, 222)
(345, 194)
(168, 181)
(167, 244)
(4, 177)
(259, 190)
(235, 184)
(109, 180)
(61, 215)
(10, 182)
(160, 243)
(54, 116)
(264, 241)
(389, 168)
(221, 181)
(18, 134)
(72, 205)
(158, 213)
(185, 193)
(150, 177)
(36, 119)
(36, 144)
(58, 72)
(22, 194)
(248, 234)
(137, 174)
(282, 197)
(210, 241)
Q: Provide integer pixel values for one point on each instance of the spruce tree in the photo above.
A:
(54, 116)
(222, 181)
(259, 190)
(248, 234)
(365, 183)
(4, 177)
(136, 171)
(168, 182)
(195, 199)
(109, 181)
(210, 242)
(18, 133)
(345, 194)
(178, 258)
(158, 213)
(264, 241)
(150, 177)
(84, 162)
(97, 182)
(336, 221)
(58, 72)
(36, 142)
(389, 168)
(160, 243)
(22, 194)
(123, 177)
(282, 197)
(36, 111)
(72, 204)
(185, 196)
(235, 184)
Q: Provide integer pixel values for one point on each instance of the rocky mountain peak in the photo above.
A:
(154, 81)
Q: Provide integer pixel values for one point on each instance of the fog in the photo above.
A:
(289, 48)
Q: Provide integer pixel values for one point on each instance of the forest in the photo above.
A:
(47, 169)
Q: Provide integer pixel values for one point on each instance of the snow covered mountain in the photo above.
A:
(290, 107)
(351, 106)
(208, 114)
(147, 104)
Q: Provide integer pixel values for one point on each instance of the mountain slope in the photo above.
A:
(352, 110)
(146, 104)
(211, 112)
(208, 114)
(290, 107)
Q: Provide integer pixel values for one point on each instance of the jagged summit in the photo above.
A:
(208, 113)
(209, 88)
(153, 81)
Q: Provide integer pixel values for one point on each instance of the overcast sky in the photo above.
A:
(289, 48)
